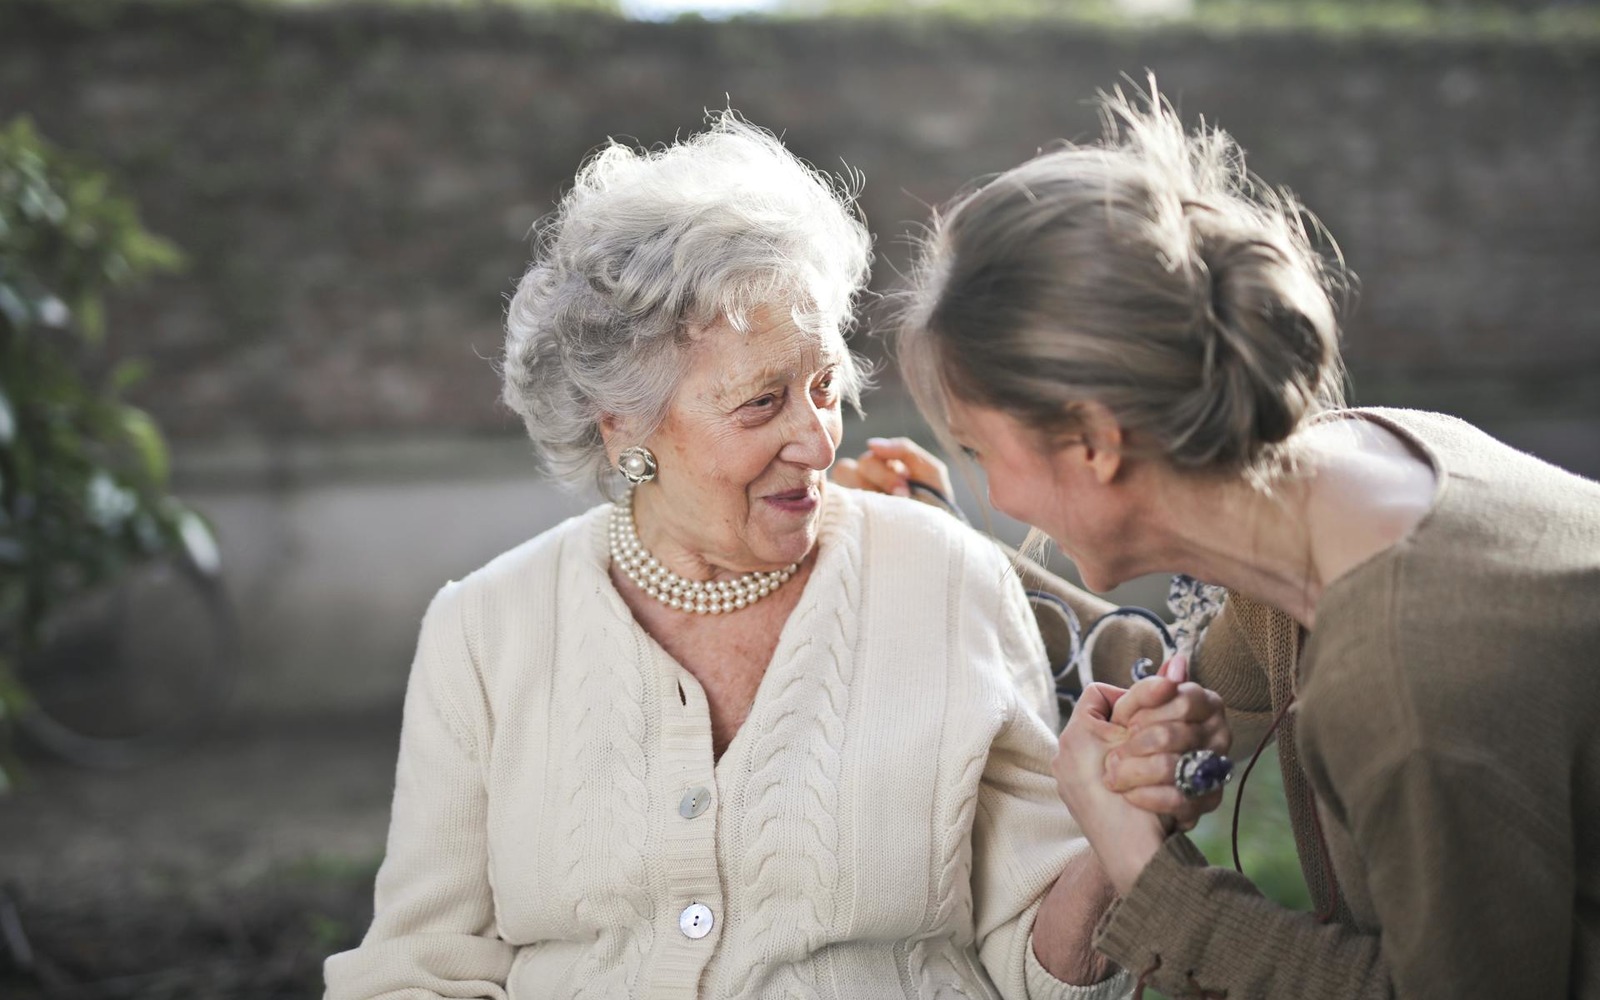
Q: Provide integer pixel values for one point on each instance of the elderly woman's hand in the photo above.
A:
(1166, 716)
(1123, 836)
(889, 465)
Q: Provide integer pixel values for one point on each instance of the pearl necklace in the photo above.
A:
(699, 596)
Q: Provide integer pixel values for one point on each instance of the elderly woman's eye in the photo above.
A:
(970, 452)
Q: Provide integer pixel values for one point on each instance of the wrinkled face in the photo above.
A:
(745, 446)
(1053, 487)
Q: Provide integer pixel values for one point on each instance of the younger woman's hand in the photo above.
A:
(888, 466)
(1123, 836)
(1166, 716)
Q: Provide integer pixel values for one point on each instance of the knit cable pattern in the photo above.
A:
(607, 752)
(938, 976)
(790, 829)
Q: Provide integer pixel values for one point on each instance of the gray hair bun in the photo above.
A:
(1150, 273)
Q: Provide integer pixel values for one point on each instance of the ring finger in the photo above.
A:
(1125, 772)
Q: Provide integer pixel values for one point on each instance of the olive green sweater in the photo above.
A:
(1447, 722)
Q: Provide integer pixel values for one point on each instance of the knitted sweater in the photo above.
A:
(1447, 723)
(884, 824)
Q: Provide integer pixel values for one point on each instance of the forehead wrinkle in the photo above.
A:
(798, 349)
(737, 382)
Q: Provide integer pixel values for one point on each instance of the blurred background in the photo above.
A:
(347, 191)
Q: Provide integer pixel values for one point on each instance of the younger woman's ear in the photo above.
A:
(1102, 440)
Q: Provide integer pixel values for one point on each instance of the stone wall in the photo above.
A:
(355, 186)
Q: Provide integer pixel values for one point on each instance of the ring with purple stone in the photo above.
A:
(1201, 772)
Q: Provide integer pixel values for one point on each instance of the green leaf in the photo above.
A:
(13, 696)
(43, 205)
(15, 309)
(145, 437)
(200, 543)
(128, 374)
(148, 533)
(53, 312)
(91, 318)
(85, 476)
(153, 253)
(108, 503)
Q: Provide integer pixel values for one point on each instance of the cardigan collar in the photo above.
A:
(829, 601)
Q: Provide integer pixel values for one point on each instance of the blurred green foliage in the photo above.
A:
(601, 6)
(1532, 20)
(83, 474)
(1565, 23)
(1266, 843)
(1516, 19)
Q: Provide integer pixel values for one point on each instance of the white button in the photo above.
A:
(694, 802)
(695, 921)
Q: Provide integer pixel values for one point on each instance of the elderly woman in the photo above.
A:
(720, 737)
(1136, 343)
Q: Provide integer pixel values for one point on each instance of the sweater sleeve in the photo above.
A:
(1022, 839)
(1022, 645)
(1504, 930)
(1188, 928)
(1022, 836)
(1229, 662)
(433, 932)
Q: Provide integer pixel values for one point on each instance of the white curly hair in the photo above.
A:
(650, 246)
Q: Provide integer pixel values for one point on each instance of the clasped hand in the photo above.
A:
(1116, 761)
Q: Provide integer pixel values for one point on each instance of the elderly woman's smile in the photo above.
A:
(800, 501)
(744, 446)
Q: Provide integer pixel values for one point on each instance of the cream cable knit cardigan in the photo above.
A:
(884, 824)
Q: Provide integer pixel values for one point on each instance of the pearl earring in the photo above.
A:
(637, 464)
